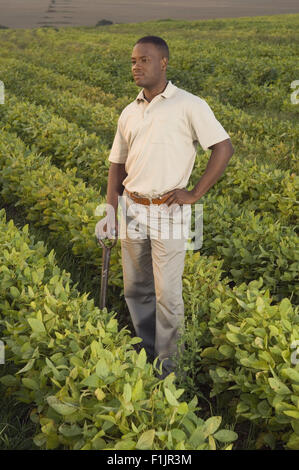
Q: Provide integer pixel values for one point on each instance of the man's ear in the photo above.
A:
(165, 62)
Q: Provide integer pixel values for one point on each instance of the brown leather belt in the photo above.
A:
(147, 201)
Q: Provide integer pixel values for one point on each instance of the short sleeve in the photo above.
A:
(205, 128)
(119, 149)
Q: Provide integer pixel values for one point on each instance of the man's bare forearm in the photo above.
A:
(217, 163)
(116, 176)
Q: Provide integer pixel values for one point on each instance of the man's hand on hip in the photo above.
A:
(180, 196)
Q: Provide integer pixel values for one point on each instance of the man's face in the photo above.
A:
(148, 66)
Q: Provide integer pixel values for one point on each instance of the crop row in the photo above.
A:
(65, 142)
(243, 349)
(56, 201)
(70, 146)
(270, 139)
(90, 388)
(255, 186)
(17, 72)
(250, 245)
(17, 173)
(21, 79)
(257, 85)
(95, 118)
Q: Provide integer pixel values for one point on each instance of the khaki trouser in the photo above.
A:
(152, 273)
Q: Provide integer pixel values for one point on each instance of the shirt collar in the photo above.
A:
(169, 90)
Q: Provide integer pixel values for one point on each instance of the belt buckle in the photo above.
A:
(155, 197)
(150, 198)
(158, 197)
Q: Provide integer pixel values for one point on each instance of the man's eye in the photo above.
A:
(144, 59)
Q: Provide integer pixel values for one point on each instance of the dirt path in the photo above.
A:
(36, 13)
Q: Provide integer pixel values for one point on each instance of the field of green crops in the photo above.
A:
(74, 375)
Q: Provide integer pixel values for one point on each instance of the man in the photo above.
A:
(152, 157)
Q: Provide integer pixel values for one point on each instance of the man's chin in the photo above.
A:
(139, 82)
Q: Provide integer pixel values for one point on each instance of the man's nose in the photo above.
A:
(136, 68)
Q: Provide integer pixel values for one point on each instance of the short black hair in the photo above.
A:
(157, 41)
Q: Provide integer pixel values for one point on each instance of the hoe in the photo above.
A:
(105, 268)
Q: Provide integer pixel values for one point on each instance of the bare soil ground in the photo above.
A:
(37, 13)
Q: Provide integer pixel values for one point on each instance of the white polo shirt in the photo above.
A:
(158, 141)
